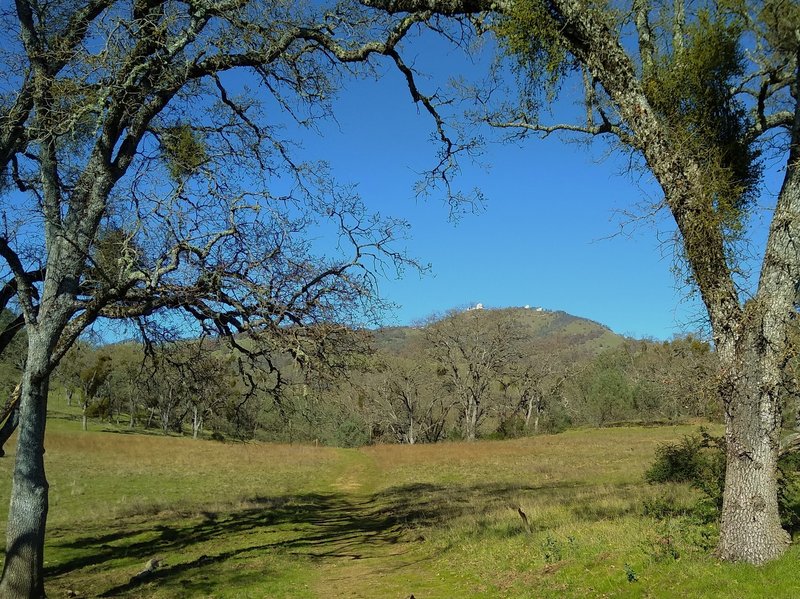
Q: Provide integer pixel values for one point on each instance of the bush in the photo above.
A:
(789, 491)
(350, 433)
(699, 460)
(511, 427)
(100, 408)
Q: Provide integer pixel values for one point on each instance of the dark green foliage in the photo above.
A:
(100, 408)
(789, 491)
(184, 151)
(552, 550)
(677, 462)
(684, 461)
(699, 460)
(630, 573)
(691, 89)
(645, 382)
(511, 427)
(351, 433)
(555, 419)
(611, 394)
(661, 508)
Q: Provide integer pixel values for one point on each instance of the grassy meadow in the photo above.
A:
(436, 521)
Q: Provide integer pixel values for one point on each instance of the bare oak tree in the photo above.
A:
(472, 349)
(140, 175)
(410, 403)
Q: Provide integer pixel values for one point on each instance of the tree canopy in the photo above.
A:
(140, 176)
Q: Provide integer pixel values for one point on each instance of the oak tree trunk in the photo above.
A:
(23, 570)
(528, 412)
(471, 419)
(751, 529)
(197, 422)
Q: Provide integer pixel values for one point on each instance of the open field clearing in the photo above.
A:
(438, 521)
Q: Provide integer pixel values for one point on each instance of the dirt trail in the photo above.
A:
(359, 473)
(374, 557)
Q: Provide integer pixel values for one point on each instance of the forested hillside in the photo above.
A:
(467, 374)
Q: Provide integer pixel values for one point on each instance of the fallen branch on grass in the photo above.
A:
(150, 567)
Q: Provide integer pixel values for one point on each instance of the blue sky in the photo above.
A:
(552, 232)
(547, 236)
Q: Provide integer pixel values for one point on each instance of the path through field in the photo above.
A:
(271, 521)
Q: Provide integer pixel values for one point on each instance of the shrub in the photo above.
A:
(511, 427)
(789, 491)
(699, 460)
(100, 408)
(350, 433)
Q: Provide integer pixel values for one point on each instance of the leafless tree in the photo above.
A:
(409, 402)
(535, 380)
(472, 349)
(139, 176)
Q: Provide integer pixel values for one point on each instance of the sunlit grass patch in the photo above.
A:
(555, 516)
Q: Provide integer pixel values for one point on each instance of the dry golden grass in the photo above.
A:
(261, 520)
(103, 474)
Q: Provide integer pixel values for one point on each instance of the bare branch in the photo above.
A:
(25, 291)
(448, 8)
(645, 32)
(783, 119)
(603, 128)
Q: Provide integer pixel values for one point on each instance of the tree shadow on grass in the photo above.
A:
(314, 526)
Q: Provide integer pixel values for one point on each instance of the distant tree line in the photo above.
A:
(461, 375)
(476, 374)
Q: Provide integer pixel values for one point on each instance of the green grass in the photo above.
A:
(261, 520)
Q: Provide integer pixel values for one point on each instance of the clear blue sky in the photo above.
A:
(546, 236)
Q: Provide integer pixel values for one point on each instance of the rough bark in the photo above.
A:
(750, 340)
(533, 411)
(754, 371)
(751, 529)
(471, 418)
(23, 570)
(197, 421)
